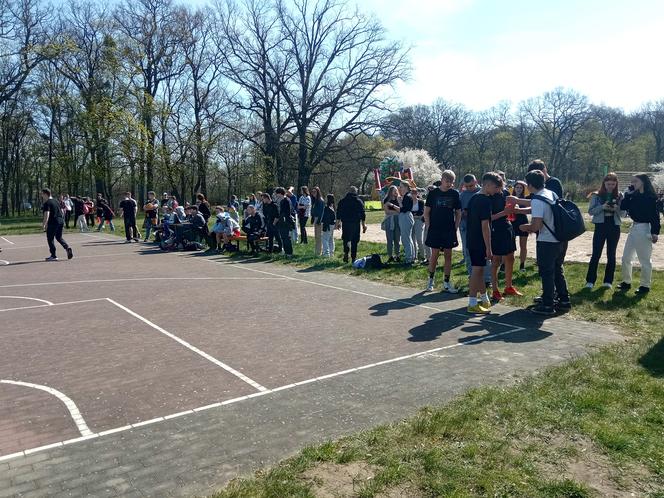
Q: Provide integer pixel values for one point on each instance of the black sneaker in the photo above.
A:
(624, 286)
(537, 300)
(345, 258)
(70, 253)
(540, 309)
(564, 304)
(642, 290)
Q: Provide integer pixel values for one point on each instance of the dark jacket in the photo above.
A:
(350, 209)
(317, 208)
(270, 212)
(329, 217)
(285, 218)
(252, 225)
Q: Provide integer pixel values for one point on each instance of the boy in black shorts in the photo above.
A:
(503, 244)
(442, 215)
(478, 237)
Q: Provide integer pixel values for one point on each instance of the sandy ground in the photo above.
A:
(580, 249)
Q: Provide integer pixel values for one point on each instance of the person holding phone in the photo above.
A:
(604, 207)
(640, 203)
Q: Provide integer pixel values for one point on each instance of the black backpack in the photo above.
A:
(568, 221)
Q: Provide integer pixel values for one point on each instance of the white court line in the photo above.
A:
(52, 304)
(189, 346)
(137, 279)
(7, 240)
(71, 406)
(49, 303)
(343, 289)
(4, 262)
(255, 395)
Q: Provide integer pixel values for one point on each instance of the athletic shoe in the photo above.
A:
(485, 305)
(511, 291)
(564, 304)
(425, 262)
(346, 258)
(642, 290)
(70, 253)
(543, 310)
(430, 285)
(449, 287)
(127, 241)
(478, 310)
(497, 296)
(624, 286)
(589, 285)
(607, 285)
(51, 258)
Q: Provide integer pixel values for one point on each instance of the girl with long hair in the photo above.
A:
(303, 212)
(328, 223)
(521, 191)
(605, 209)
(392, 207)
(317, 208)
(640, 202)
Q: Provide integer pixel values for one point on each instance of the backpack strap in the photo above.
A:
(551, 204)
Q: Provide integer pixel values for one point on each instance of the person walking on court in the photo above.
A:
(53, 223)
(129, 209)
(350, 214)
(640, 202)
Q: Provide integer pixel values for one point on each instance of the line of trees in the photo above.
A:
(154, 95)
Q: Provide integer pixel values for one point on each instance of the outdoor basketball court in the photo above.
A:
(125, 338)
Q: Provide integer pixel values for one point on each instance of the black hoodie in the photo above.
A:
(351, 209)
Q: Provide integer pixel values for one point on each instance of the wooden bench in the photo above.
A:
(262, 242)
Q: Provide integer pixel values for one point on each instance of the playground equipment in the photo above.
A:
(390, 171)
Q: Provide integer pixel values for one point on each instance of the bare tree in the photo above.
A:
(559, 115)
(449, 125)
(343, 65)
(653, 117)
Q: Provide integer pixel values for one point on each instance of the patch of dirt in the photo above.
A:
(587, 465)
(332, 480)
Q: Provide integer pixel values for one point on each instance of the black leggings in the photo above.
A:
(608, 233)
(303, 228)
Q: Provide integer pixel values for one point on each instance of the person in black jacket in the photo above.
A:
(270, 213)
(350, 214)
(285, 222)
(252, 225)
(640, 202)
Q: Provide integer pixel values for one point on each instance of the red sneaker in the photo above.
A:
(511, 291)
(496, 296)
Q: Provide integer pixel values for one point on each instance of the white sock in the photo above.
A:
(472, 301)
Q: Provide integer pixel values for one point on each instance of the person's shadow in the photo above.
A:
(653, 360)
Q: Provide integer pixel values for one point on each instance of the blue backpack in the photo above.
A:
(568, 221)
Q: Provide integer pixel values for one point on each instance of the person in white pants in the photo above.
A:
(640, 202)
(418, 226)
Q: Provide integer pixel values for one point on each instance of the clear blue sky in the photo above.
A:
(479, 52)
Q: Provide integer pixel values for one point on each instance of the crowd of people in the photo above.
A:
(491, 218)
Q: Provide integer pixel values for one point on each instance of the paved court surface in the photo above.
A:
(131, 372)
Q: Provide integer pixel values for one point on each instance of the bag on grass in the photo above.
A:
(372, 262)
(568, 221)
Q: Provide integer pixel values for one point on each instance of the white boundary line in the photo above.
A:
(189, 346)
(49, 303)
(71, 406)
(254, 395)
(4, 262)
(138, 279)
(52, 304)
(7, 240)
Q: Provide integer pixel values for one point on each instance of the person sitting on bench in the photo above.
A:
(253, 227)
(225, 228)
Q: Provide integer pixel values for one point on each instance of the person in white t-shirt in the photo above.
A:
(550, 251)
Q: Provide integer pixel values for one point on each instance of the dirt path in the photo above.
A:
(579, 249)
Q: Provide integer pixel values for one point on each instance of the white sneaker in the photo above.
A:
(449, 287)
(607, 285)
(430, 286)
(589, 285)
(51, 258)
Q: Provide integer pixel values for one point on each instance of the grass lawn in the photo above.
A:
(591, 427)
